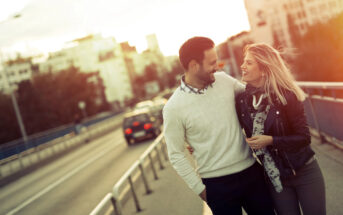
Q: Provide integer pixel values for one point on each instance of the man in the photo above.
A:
(201, 112)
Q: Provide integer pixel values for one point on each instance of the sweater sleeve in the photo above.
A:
(238, 86)
(174, 134)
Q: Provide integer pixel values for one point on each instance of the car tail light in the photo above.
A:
(147, 126)
(128, 131)
(136, 123)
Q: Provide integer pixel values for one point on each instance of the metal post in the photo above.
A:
(145, 181)
(116, 206)
(134, 195)
(159, 158)
(315, 118)
(333, 94)
(14, 100)
(152, 167)
(19, 119)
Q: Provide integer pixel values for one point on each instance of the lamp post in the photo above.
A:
(82, 106)
(14, 99)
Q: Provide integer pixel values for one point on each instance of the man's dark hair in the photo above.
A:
(193, 49)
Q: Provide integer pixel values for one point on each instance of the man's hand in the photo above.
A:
(203, 195)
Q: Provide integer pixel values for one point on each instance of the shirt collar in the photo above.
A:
(189, 89)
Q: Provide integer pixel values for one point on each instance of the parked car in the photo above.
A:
(159, 103)
(148, 104)
(140, 124)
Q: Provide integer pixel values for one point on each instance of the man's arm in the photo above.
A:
(174, 134)
(238, 86)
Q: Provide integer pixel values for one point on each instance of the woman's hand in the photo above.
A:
(259, 141)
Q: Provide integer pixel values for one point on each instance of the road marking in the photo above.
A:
(61, 180)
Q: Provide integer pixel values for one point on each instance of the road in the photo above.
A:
(75, 183)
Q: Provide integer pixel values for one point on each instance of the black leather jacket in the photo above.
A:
(288, 126)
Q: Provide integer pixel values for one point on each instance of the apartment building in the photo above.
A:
(272, 20)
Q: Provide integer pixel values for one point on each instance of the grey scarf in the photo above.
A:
(262, 109)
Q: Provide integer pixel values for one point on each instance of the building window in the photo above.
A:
(332, 4)
(299, 15)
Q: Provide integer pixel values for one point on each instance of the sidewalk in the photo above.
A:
(170, 196)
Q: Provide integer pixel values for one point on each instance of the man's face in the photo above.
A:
(208, 68)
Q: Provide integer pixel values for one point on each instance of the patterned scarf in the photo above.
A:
(259, 115)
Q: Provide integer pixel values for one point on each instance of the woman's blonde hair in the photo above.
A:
(277, 75)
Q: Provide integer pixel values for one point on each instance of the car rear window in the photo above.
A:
(140, 118)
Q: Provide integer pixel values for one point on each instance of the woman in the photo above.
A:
(271, 113)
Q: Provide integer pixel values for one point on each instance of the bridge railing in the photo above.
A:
(324, 110)
(138, 171)
(34, 155)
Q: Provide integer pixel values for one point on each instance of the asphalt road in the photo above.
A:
(75, 183)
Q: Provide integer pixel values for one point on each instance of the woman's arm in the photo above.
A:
(299, 134)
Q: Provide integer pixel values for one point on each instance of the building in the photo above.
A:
(274, 21)
(15, 71)
(95, 53)
(230, 53)
(117, 64)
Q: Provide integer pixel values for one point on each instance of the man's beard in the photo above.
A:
(207, 78)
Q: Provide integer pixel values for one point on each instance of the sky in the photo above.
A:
(45, 25)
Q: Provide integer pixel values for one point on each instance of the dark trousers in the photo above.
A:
(247, 189)
(306, 189)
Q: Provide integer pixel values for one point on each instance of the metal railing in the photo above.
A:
(17, 146)
(324, 110)
(37, 154)
(137, 171)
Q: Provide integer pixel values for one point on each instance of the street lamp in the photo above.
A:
(14, 99)
(82, 106)
(16, 108)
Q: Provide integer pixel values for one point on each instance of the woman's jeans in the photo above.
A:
(306, 190)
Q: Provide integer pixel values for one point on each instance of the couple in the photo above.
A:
(208, 111)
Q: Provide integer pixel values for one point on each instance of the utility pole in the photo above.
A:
(16, 107)
(13, 97)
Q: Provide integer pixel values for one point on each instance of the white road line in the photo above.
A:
(61, 180)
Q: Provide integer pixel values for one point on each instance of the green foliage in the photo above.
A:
(321, 52)
(9, 128)
(51, 100)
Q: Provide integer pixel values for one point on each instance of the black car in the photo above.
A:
(139, 125)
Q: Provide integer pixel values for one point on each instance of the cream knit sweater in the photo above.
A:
(208, 122)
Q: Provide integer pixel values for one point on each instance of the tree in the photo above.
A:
(51, 100)
(9, 128)
(293, 30)
(321, 52)
(174, 74)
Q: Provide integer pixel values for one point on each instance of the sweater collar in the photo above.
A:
(189, 89)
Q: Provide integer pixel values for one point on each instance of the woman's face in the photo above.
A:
(251, 72)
